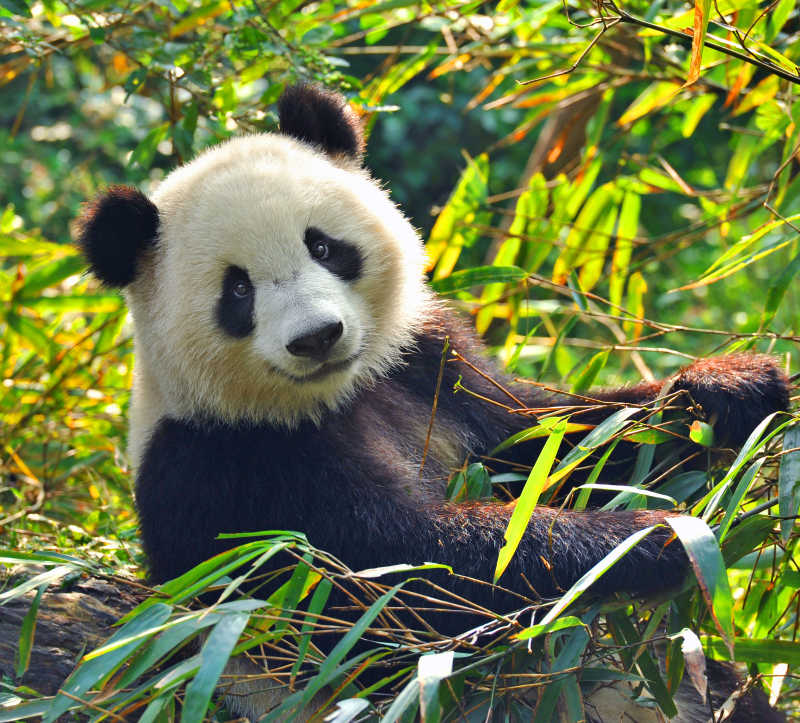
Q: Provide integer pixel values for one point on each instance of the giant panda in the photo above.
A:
(287, 353)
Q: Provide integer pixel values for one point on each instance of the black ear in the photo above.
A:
(323, 119)
(114, 229)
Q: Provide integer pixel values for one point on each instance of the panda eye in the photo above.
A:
(240, 290)
(320, 250)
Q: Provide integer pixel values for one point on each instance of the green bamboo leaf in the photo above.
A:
(601, 434)
(745, 537)
(526, 503)
(31, 332)
(582, 230)
(655, 96)
(91, 672)
(214, 656)
(748, 650)
(710, 502)
(706, 559)
(143, 154)
(398, 75)
(583, 495)
(87, 303)
(315, 608)
(165, 643)
(595, 573)
(27, 246)
(529, 214)
(698, 107)
(50, 274)
(637, 287)
(590, 372)
(543, 429)
(477, 277)
(736, 498)
(27, 632)
(43, 579)
(592, 258)
(201, 576)
(17, 7)
(740, 160)
(328, 669)
(626, 633)
(451, 231)
(535, 631)
(405, 704)
(626, 232)
(701, 433)
(34, 709)
(777, 290)
(789, 482)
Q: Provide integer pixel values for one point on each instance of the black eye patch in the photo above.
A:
(339, 257)
(235, 304)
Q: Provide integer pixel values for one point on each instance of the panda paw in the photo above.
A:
(734, 393)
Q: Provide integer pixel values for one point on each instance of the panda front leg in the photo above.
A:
(733, 392)
(199, 481)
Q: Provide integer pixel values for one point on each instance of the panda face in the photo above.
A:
(280, 282)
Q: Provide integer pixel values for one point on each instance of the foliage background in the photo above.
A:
(649, 197)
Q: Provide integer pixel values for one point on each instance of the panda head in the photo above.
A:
(269, 278)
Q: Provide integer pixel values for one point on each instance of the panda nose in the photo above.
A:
(318, 344)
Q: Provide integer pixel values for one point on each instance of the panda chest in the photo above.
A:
(417, 452)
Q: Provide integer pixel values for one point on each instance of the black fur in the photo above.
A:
(199, 480)
(234, 312)
(341, 483)
(735, 393)
(321, 118)
(344, 484)
(114, 230)
(343, 259)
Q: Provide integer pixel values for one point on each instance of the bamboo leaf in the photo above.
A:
(50, 274)
(706, 559)
(701, 433)
(737, 497)
(459, 211)
(655, 96)
(595, 573)
(777, 290)
(213, 656)
(478, 276)
(582, 231)
(748, 650)
(431, 670)
(626, 233)
(535, 631)
(789, 482)
(697, 109)
(27, 632)
(601, 434)
(590, 372)
(526, 503)
(701, 13)
(91, 672)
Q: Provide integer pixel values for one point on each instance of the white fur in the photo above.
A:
(248, 202)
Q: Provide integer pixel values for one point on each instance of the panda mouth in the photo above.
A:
(326, 370)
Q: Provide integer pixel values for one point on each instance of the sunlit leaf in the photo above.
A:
(654, 97)
(701, 13)
(526, 503)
